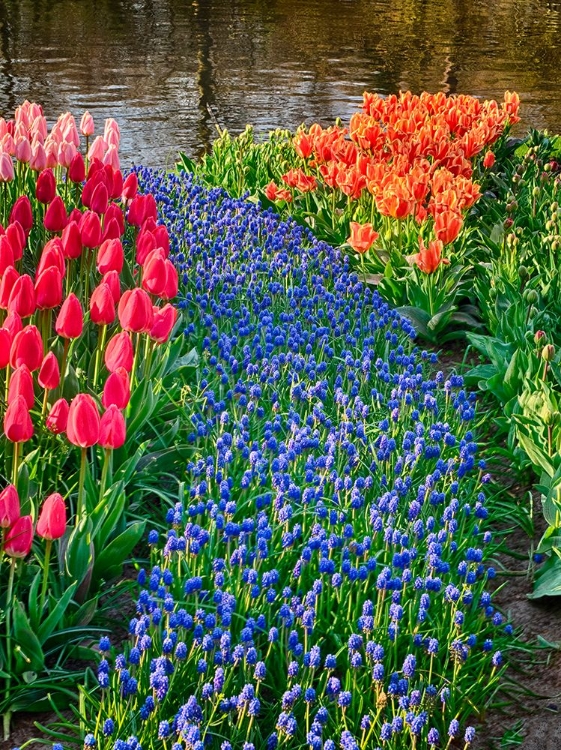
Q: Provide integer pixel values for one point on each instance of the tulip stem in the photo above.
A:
(106, 465)
(100, 348)
(46, 562)
(81, 482)
(63, 365)
(8, 714)
(15, 467)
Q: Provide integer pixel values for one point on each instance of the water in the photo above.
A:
(169, 70)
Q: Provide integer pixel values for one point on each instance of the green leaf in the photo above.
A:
(78, 552)
(28, 652)
(111, 559)
(50, 623)
(535, 453)
(548, 579)
(185, 164)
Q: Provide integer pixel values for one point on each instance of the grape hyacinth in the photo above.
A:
(323, 581)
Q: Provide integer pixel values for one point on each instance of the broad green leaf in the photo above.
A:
(56, 615)
(28, 652)
(110, 559)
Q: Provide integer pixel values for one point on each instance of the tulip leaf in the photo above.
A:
(55, 616)
(548, 579)
(79, 553)
(111, 559)
(28, 652)
(116, 503)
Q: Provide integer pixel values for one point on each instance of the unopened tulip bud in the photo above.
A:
(70, 321)
(77, 169)
(55, 218)
(523, 272)
(27, 348)
(58, 417)
(119, 352)
(539, 336)
(9, 507)
(548, 352)
(117, 389)
(45, 189)
(102, 305)
(531, 296)
(112, 430)
(19, 538)
(21, 384)
(87, 127)
(18, 426)
(49, 374)
(83, 421)
(52, 520)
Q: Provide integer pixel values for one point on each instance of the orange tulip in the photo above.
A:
(362, 237)
(447, 226)
(429, 258)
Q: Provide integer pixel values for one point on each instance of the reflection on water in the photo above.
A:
(168, 70)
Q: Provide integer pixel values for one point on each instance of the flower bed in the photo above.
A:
(322, 582)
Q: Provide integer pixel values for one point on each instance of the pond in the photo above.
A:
(171, 70)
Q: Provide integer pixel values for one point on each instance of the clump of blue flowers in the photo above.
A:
(323, 582)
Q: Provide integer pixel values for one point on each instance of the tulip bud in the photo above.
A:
(110, 256)
(6, 254)
(102, 305)
(154, 272)
(57, 420)
(119, 352)
(6, 285)
(538, 336)
(82, 428)
(90, 229)
(531, 296)
(117, 389)
(71, 240)
(135, 311)
(45, 189)
(55, 218)
(6, 167)
(164, 321)
(9, 507)
(114, 212)
(5, 346)
(99, 199)
(48, 289)
(52, 255)
(16, 237)
(523, 272)
(111, 278)
(18, 426)
(22, 212)
(13, 324)
(87, 125)
(111, 230)
(49, 374)
(172, 282)
(77, 169)
(19, 538)
(27, 348)
(112, 431)
(70, 321)
(52, 520)
(130, 187)
(548, 352)
(21, 384)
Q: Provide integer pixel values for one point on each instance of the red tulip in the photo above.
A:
(90, 229)
(71, 240)
(82, 428)
(164, 321)
(112, 430)
(21, 211)
(49, 374)
(18, 426)
(111, 278)
(488, 159)
(141, 208)
(6, 255)
(94, 179)
(75, 215)
(9, 507)
(117, 389)
(172, 282)
(5, 347)
(52, 255)
(77, 169)
(130, 187)
(45, 189)
(21, 384)
(111, 230)
(55, 218)
(70, 321)
(100, 199)
(145, 243)
(52, 520)
(135, 311)
(154, 272)
(102, 305)
(6, 285)
(162, 238)
(13, 324)
(117, 190)
(110, 256)
(16, 236)
(22, 297)
(48, 289)
(27, 348)
(58, 417)
(19, 538)
(114, 212)
(119, 352)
